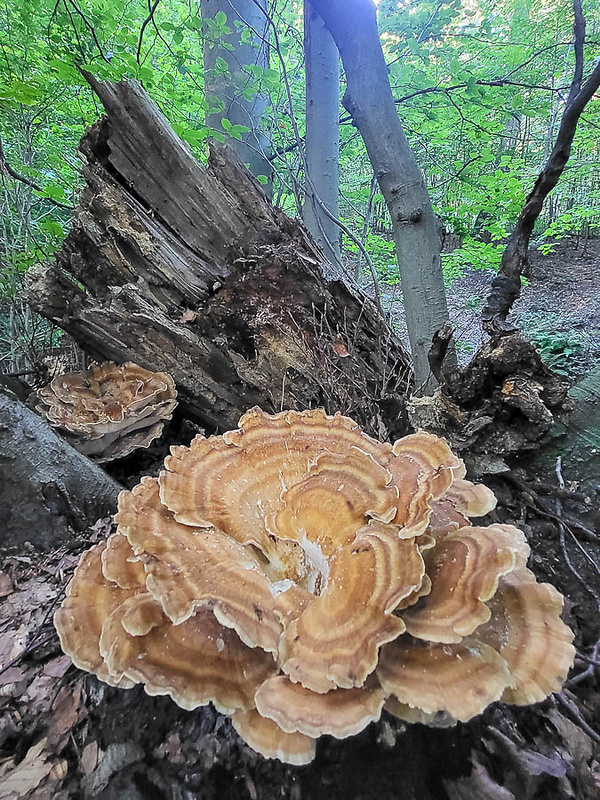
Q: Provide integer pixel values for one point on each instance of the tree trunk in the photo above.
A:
(46, 487)
(228, 90)
(189, 270)
(369, 100)
(322, 133)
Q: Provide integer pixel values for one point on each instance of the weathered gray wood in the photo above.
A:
(188, 269)
(230, 89)
(46, 487)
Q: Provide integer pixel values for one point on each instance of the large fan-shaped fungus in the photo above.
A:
(299, 575)
(109, 411)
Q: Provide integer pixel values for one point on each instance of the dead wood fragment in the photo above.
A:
(189, 270)
(500, 405)
(47, 488)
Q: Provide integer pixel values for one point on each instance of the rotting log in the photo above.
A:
(504, 403)
(47, 488)
(189, 269)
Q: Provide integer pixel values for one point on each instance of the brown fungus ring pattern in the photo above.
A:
(302, 576)
(108, 411)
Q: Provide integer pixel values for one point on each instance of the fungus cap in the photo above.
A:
(299, 575)
(109, 411)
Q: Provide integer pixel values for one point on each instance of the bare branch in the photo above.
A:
(506, 286)
(5, 167)
(89, 26)
(149, 18)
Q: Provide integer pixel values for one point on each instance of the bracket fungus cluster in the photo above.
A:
(109, 411)
(302, 576)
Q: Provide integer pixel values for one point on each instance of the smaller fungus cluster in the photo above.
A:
(109, 411)
(302, 576)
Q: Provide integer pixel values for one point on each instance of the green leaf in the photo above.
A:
(237, 131)
(24, 93)
(54, 191)
(51, 227)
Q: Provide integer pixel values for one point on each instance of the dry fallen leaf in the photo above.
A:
(17, 781)
(6, 584)
(58, 666)
(89, 758)
(339, 347)
(188, 316)
(67, 710)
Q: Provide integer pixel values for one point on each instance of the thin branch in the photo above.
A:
(506, 286)
(149, 18)
(90, 27)
(571, 707)
(499, 83)
(5, 167)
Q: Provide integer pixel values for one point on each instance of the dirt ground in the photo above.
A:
(63, 734)
(559, 307)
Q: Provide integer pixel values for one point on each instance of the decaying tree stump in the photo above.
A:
(189, 270)
(502, 404)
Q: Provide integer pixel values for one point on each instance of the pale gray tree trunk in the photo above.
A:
(369, 100)
(322, 133)
(227, 90)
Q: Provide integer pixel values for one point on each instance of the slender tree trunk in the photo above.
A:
(506, 286)
(322, 133)
(227, 90)
(369, 100)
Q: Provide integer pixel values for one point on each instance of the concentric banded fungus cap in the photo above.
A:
(300, 575)
(109, 411)
(123, 637)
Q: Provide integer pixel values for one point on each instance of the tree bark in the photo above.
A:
(190, 270)
(322, 133)
(229, 89)
(369, 100)
(506, 286)
(46, 487)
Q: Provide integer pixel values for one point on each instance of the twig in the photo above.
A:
(536, 504)
(570, 706)
(506, 286)
(5, 167)
(589, 671)
(562, 541)
(89, 26)
(29, 649)
(149, 18)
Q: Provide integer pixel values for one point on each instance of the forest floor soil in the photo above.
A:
(559, 307)
(64, 734)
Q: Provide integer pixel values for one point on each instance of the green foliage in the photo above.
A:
(476, 83)
(569, 223)
(472, 255)
(382, 254)
(560, 346)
